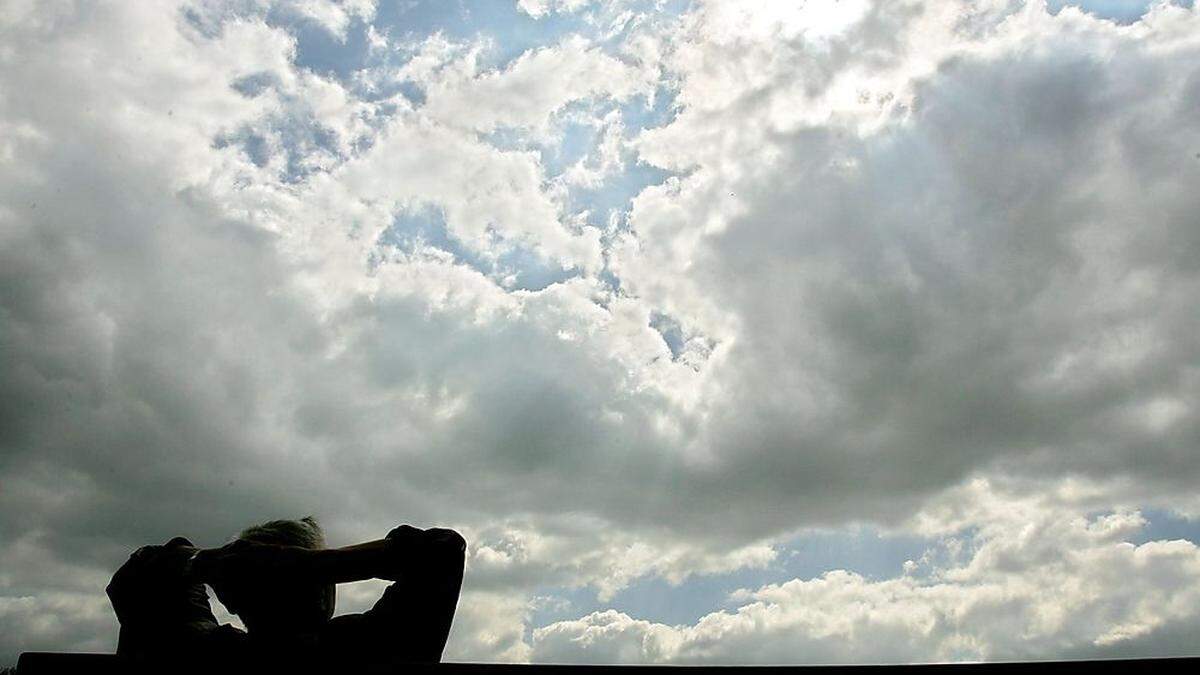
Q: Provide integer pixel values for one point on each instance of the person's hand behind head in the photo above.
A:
(154, 584)
(249, 575)
(242, 561)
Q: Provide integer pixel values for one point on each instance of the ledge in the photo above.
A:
(37, 663)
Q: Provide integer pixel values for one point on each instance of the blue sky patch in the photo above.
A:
(864, 551)
(1121, 11)
(516, 268)
(1164, 525)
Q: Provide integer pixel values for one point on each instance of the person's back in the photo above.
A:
(279, 579)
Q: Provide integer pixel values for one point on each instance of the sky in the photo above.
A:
(725, 332)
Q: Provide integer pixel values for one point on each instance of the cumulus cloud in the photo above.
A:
(534, 86)
(912, 293)
(580, 551)
(334, 16)
(1039, 581)
(896, 247)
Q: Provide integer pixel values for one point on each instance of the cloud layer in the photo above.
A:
(1034, 581)
(644, 300)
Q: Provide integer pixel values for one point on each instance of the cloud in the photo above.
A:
(1037, 585)
(334, 16)
(529, 90)
(898, 251)
(579, 551)
(489, 627)
(901, 294)
(539, 8)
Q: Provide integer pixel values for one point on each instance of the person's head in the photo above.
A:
(268, 607)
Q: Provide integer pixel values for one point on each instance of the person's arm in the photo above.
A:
(403, 549)
(391, 558)
(411, 620)
(157, 604)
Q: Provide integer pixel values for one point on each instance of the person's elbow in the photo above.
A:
(448, 541)
(417, 546)
(447, 547)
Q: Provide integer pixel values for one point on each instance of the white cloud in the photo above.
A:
(608, 159)
(334, 15)
(537, 84)
(900, 292)
(483, 192)
(539, 8)
(575, 551)
(489, 627)
(1047, 583)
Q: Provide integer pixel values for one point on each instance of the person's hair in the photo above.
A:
(303, 606)
(304, 533)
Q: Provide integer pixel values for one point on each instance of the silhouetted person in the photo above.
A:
(279, 579)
